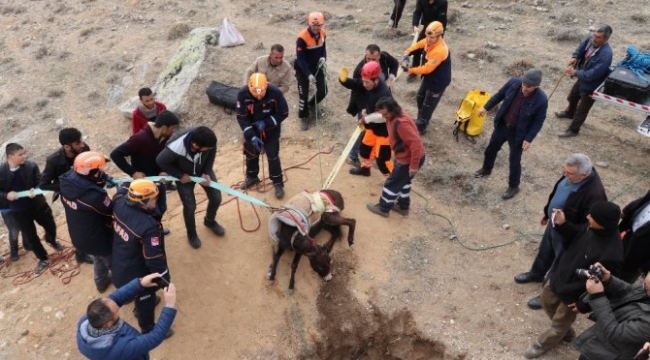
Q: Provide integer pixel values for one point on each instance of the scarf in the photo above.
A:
(149, 113)
(104, 331)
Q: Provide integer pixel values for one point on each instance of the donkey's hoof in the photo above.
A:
(351, 246)
(271, 282)
(290, 291)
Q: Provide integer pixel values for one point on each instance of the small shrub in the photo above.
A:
(570, 35)
(519, 67)
(42, 52)
(178, 31)
(641, 18)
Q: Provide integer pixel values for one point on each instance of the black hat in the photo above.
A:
(166, 118)
(532, 77)
(606, 214)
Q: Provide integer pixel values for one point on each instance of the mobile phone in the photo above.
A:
(553, 219)
(161, 281)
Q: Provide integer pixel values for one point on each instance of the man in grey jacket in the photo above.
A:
(191, 154)
(622, 313)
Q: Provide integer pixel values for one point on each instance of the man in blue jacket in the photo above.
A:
(89, 212)
(103, 335)
(518, 121)
(590, 64)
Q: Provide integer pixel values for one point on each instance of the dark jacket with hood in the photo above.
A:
(622, 315)
(56, 165)
(584, 246)
(126, 343)
(366, 100)
(635, 243)
(88, 212)
(579, 202)
(177, 159)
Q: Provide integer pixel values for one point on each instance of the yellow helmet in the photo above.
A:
(315, 18)
(257, 85)
(435, 29)
(86, 162)
(141, 190)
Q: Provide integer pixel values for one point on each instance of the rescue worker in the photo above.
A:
(311, 55)
(426, 12)
(261, 108)
(389, 66)
(191, 154)
(89, 212)
(436, 72)
(139, 245)
(409, 158)
(370, 88)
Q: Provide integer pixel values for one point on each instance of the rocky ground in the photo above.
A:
(436, 285)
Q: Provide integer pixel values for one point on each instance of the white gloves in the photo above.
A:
(312, 79)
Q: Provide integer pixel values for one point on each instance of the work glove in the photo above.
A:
(257, 144)
(321, 62)
(406, 61)
(312, 79)
(344, 74)
(260, 125)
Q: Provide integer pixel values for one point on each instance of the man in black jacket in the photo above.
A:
(16, 175)
(574, 193)
(192, 153)
(89, 212)
(142, 149)
(586, 244)
(426, 12)
(139, 245)
(60, 162)
(635, 225)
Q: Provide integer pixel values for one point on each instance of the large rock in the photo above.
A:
(175, 80)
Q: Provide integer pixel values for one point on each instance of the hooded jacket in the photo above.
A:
(622, 323)
(88, 212)
(584, 246)
(177, 159)
(126, 343)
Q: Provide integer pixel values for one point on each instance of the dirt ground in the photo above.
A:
(436, 285)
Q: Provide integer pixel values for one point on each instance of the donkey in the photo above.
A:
(295, 225)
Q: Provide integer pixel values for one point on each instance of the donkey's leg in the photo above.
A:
(336, 219)
(294, 267)
(277, 254)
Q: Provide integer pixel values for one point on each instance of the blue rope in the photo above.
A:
(637, 62)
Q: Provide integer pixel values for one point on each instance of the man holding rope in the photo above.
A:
(261, 108)
(311, 55)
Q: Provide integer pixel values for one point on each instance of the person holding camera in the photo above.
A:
(622, 313)
(102, 334)
(586, 244)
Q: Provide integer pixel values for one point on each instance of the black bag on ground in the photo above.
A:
(222, 94)
(625, 84)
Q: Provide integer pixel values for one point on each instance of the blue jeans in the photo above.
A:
(550, 250)
(500, 136)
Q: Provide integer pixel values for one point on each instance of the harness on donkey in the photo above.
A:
(302, 212)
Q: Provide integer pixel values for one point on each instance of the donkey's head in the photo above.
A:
(320, 260)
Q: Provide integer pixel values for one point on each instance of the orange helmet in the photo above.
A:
(435, 29)
(86, 162)
(315, 18)
(257, 85)
(141, 190)
(371, 70)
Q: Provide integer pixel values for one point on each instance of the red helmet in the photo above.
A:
(371, 70)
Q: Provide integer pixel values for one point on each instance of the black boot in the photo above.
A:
(214, 226)
(13, 249)
(360, 171)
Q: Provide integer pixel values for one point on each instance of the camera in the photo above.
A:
(594, 272)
